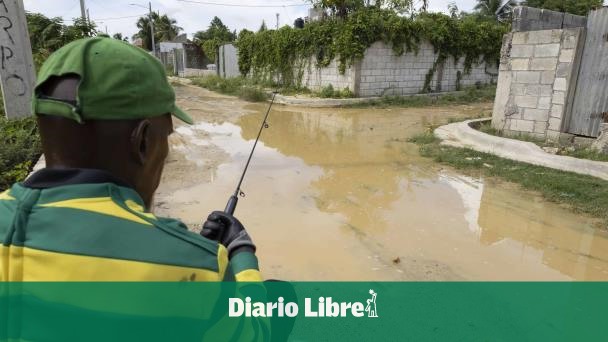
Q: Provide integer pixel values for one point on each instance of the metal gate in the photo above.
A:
(591, 93)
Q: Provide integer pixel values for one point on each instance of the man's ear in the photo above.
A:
(140, 141)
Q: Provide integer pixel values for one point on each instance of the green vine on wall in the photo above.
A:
(285, 52)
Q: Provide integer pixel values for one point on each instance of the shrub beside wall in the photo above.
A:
(286, 52)
(19, 148)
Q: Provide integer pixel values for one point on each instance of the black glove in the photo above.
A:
(227, 230)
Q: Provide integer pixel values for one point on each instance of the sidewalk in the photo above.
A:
(461, 134)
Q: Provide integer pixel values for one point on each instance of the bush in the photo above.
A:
(253, 94)
(19, 149)
(327, 91)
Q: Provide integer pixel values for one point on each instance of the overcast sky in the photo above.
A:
(191, 16)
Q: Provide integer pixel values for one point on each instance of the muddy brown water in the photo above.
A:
(339, 194)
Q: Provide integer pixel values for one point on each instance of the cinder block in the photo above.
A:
(520, 38)
(522, 125)
(544, 102)
(532, 90)
(559, 97)
(546, 50)
(545, 90)
(543, 64)
(557, 111)
(526, 101)
(516, 89)
(555, 124)
(539, 37)
(536, 114)
(561, 84)
(570, 40)
(522, 51)
(540, 127)
(547, 77)
(571, 20)
(532, 77)
(563, 70)
(566, 56)
(520, 64)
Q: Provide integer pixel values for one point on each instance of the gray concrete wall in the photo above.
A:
(228, 61)
(534, 85)
(316, 78)
(535, 19)
(382, 72)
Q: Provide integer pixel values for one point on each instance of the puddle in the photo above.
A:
(338, 194)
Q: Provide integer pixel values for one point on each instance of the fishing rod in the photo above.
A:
(234, 199)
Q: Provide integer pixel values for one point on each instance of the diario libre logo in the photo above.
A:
(323, 307)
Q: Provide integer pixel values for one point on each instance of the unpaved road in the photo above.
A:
(339, 194)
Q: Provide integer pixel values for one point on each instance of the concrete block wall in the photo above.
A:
(382, 72)
(536, 19)
(317, 78)
(535, 81)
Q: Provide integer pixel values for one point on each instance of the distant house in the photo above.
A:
(138, 42)
(183, 57)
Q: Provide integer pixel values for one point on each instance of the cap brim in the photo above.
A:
(180, 114)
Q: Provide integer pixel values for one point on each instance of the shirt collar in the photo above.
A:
(49, 178)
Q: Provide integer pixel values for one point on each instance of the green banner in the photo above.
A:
(361, 311)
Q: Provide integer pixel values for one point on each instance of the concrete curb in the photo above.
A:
(461, 134)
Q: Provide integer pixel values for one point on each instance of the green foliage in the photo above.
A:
(238, 86)
(283, 54)
(470, 95)
(327, 91)
(585, 194)
(216, 35)
(49, 34)
(119, 36)
(165, 29)
(19, 148)
(579, 7)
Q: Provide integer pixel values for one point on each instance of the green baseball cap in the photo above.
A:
(118, 81)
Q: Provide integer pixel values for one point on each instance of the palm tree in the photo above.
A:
(494, 8)
(166, 28)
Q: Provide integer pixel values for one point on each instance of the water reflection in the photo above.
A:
(442, 225)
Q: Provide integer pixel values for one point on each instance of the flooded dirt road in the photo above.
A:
(339, 194)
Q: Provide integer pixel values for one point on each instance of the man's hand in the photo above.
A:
(228, 231)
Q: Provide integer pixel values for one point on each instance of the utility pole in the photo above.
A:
(278, 20)
(83, 11)
(152, 29)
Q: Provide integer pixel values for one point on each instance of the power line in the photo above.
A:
(237, 5)
(115, 18)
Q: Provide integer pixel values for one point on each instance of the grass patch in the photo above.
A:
(19, 149)
(584, 194)
(562, 149)
(236, 86)
(470, 95)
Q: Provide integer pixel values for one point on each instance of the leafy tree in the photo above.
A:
(493, 8)
(50, 34)
(216, 35)
(453, 9)
(342, 8)
(579, 7)
(166, 29)
(119, 36)
(339, 8)
(263, 27)
(81, 28)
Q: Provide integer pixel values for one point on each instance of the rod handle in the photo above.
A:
(231, 205)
